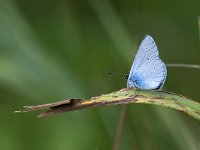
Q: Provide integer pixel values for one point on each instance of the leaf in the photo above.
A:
(124, 96)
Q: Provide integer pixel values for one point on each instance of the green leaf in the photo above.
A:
(124, 96)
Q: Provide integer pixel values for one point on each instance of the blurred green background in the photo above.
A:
(54, 50)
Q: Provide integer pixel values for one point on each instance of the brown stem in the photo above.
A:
(81, 104)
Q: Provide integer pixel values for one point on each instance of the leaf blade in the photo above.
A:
(125, 96)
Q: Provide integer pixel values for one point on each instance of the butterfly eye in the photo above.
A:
(154, 68)
(148, 59)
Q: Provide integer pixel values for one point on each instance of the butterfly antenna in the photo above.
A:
(118, 74)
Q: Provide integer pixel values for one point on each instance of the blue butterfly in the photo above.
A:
(148, 70)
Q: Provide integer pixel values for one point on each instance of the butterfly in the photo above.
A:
(148, 71)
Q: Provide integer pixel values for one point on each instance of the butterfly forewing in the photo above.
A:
(147, 48)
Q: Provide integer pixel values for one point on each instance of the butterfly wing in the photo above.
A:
(148, 70)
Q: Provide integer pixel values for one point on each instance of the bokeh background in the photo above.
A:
(54, 50)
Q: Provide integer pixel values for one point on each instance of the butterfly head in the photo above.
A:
(131, 83)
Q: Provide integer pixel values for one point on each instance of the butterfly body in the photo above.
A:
(148, 70)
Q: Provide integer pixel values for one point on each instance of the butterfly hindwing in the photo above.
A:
(151, 75)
